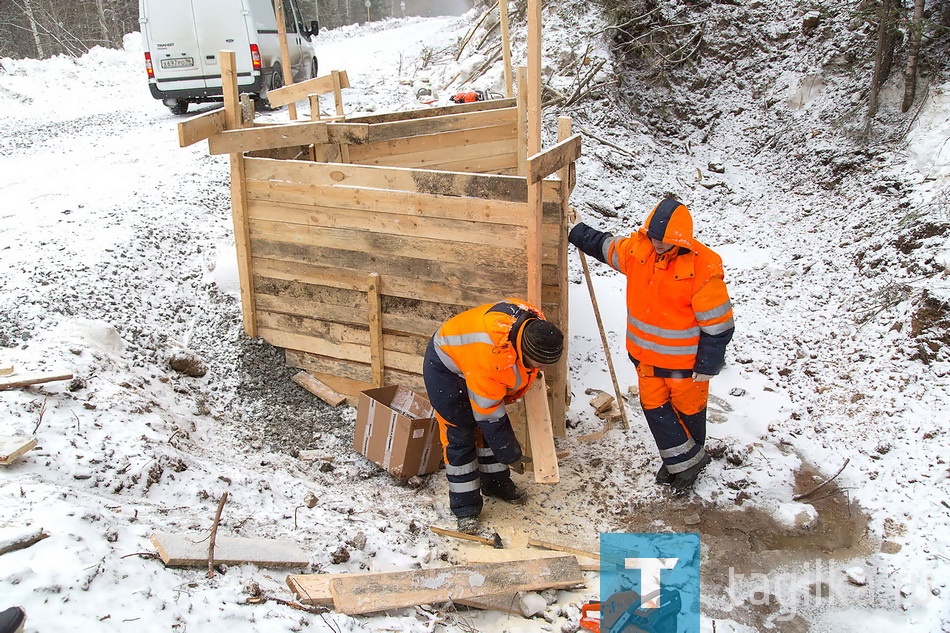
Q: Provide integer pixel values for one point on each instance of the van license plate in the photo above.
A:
(178, 62)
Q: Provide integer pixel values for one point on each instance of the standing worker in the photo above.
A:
(477, 362)
(679, 321)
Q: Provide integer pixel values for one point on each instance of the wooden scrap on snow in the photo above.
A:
(12, 447)
(5, 369)
(379, 591)
(602, 401)
(35, 378)
(191, 550)
(318, 388)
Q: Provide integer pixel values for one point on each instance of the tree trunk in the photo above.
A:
(884, 25)
(103, 24)
(28, 9)
(913, 53)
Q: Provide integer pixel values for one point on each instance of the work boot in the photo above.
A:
(469, 525)
(683, 481)
(664, 477)
(504, 489)
(11, 620)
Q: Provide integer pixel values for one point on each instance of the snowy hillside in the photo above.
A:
(117, 254)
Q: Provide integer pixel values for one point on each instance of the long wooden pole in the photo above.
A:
(506, 47)
(285, 53)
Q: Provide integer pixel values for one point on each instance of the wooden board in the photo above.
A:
(201, 127)
(299, 91)
(34, 378)
(541, 435)
(13, 447)
(394, 590)
(191, 550)
(6, 369)
(319, 389)
(425, 113)
(486, 555)
(269, 137)
(545, 163)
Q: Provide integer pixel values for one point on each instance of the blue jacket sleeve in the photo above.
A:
(711, 355)
(589, 240)
(501, 439)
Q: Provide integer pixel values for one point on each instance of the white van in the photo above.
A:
(181, 39)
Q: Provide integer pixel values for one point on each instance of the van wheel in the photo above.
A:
(313, 67)
(179, 107)
(275, 81)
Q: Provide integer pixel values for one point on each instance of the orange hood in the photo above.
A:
(670, 222)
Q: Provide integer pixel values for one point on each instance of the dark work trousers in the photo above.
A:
(468, 461)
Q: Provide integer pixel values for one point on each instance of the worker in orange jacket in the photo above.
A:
(476, 363)
(679, 321)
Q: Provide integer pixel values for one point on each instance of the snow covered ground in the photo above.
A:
(117, 252)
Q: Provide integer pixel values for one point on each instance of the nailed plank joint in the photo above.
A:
(201, 127)
(299, 91)
(319, 388)
(36, 378)
(13, 447)
(191, 550)
(545, 163)
(367, 593)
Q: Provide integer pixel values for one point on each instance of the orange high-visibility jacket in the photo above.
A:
(477, 345)
(679, 315)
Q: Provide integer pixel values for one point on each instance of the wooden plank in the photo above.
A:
(33, 378)
(492, 187)
(6, 369)
(201, 127)
(505, 602)
(522, 149)
(459, 142)
(554, 158)
(541, 434)
(395, 286)
(438, 248)
(233, 118)
(506, 47)
(375, 329)
(563, 548)
(285, 53)
(401, 213)
(328, 330)
(485, 555)
(12, 447)
(300, 91)
(191, 550)
(498, 277)
(394, 590)
(319, 389)
(425, 113)
(344, 351)
(347, 376)
(268, 137)
(453, 122)
(313, 589)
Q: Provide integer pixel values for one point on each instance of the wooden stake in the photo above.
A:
(375, 329)
(214, 533)
(285, 53)
(603, 339)
(541, 434)
(506, 47)
(563, 548)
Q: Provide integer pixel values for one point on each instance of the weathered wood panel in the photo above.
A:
(426, 113)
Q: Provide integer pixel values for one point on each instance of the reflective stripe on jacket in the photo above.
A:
(477, 345)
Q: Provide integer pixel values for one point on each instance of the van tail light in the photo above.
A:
(255, 57)
(148, 66)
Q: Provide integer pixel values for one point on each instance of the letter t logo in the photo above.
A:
(650, 569)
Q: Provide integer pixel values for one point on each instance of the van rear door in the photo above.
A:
(222, 25)
(186, 36)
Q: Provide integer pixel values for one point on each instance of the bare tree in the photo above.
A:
(884, 53)
(913, 54)
(28, 9)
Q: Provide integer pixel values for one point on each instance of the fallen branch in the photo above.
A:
(214, 533)
(22, 542)
(287, 603)
(822, 484)
(587, 132)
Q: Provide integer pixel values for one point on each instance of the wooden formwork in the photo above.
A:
(358, 236)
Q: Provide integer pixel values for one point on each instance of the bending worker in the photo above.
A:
(479, 361)
(679, 321)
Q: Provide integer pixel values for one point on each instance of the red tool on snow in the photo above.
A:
(469, 96)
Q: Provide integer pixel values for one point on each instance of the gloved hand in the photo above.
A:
(519, 466)
(701, 377)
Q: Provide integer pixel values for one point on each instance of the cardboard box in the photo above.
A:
(396, 428)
